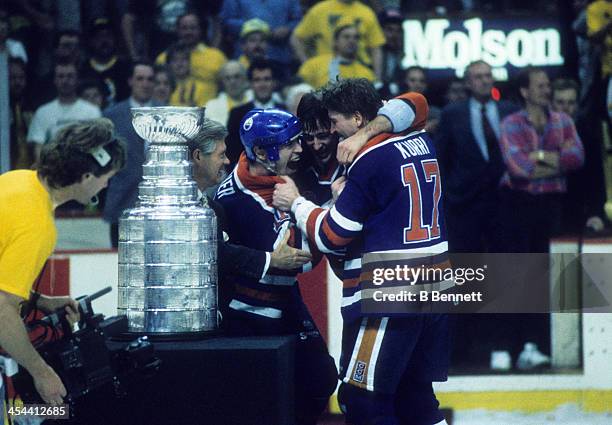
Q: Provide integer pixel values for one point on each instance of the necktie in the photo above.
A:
(490, 137)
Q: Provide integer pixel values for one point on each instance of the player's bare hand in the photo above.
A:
(284, 194)
(348, 148)
(286, 257)
(337, 187)
(49, 386)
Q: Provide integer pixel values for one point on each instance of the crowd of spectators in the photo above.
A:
(71, 60)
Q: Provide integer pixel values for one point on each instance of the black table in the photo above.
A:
(221, 381)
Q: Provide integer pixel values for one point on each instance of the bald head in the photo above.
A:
(233, 76)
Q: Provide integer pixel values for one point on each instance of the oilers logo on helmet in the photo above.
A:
(248, 124)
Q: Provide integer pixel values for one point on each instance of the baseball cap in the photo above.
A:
(254, 25)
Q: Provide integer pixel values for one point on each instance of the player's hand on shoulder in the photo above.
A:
(349, 147)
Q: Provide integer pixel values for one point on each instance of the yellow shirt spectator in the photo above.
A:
(599, 15)
(189, 92)
(25, 245)
(320, 21)
(321, 69)
(205, 65)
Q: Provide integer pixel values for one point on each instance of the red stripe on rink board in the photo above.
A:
(56, 278)
(313, 286)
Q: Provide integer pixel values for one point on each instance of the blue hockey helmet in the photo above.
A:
(269, 129)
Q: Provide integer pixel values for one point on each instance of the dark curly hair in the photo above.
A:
(352, 95)
(65, 159)
(312, 113)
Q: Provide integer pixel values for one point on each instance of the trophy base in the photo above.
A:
(167, 336)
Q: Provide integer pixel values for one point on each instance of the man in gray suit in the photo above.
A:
(122, 192)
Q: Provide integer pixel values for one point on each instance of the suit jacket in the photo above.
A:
(122, 192)
(234, 259)
(465, 172)
(233, 143)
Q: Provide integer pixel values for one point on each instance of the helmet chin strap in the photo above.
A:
(268, 165)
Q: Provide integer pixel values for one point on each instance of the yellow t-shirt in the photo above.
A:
(320, 21)
(315, 71)
(205, 65)
(599, 14)
(27, 231)
(189, 92)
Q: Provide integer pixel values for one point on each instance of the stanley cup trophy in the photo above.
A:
(168, 242)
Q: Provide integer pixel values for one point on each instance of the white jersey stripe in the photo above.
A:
(277, 280)
(352, 264)
(380, 334)
(270, 312)
(355, 353)
(438, 248)
(345, 223)
(355, 298)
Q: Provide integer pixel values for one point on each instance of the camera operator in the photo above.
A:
(75, 165)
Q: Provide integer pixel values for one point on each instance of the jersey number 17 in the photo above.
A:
(418, 231)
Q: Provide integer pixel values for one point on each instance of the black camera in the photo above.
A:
(84, 360)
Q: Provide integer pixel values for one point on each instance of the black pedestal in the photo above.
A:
(221, 381)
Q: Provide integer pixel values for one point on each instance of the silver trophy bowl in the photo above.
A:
(167, 124)
(168, 242)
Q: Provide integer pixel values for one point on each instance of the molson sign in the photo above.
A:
(450, 45)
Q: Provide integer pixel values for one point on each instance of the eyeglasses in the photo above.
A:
(310, 137)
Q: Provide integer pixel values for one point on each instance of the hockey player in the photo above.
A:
(273, 305)
(320, 160)
(208, 160)
(390, 206)
(319, 144)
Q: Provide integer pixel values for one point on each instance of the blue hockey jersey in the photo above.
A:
(315, 185)
(252, 221)
(389, 209)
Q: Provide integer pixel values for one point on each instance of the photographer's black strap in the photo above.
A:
(29, 306)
